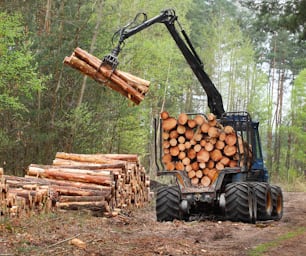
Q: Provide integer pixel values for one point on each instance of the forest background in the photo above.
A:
(254, 52)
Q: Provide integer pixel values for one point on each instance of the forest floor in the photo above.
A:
(137, 233)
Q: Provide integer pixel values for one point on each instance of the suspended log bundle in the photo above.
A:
(130, 86)
(201, 147)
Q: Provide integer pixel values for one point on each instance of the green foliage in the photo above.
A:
(293, 139)
(19, 86)
(228, 55)
(272, 15)
(18, 80)
(82, 130)
(297, 128)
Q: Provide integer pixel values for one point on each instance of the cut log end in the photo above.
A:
(202, 147)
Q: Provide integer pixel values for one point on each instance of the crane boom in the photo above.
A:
(183, 42)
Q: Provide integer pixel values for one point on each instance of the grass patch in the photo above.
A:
(263, 248)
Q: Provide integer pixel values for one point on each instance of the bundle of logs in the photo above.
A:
(19, 195)
(103, 183)
(200, 146)
(130, 86)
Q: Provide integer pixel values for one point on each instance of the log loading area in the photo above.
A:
(107, 183)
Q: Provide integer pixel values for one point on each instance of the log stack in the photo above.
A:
(103, 183)
(130, 86)
(19, 195)
(200, 146)
(100, 182)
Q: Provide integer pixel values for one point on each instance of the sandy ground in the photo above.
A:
(137, 233)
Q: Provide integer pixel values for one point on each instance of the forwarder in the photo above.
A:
(241, 193)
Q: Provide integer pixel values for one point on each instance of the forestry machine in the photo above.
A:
(240, 193)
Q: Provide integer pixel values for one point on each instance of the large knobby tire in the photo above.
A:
(239, 202)
(263, 195)
(168, 203)
(277, 202)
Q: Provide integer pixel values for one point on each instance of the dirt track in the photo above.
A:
(138, 233)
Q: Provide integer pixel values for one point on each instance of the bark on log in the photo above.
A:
(101, 206)
(96, 158)
(73, 191)
(34, 169)
(18, 182)
(121, 157)
(129, 184)
(52, 174)
(140, 84)
(118, 85)
(128, 85)
(63, 199)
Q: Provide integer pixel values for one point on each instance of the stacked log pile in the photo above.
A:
(104, 183)
(200, 146)
(101, 182)
(20, 195)
(130, 86)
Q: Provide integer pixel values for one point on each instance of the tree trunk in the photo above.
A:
(92, 46)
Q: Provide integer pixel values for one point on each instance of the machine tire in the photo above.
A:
(168, 203)
(239, 202)
(277, 202)
(254, 204)
(263, 195)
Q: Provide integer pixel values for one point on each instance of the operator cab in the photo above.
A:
(258, 162)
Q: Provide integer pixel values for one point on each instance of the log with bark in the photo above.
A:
(20, 196)
(118, 178)
(200, 146)
(130, 86)
(91, 205)
(98, 182)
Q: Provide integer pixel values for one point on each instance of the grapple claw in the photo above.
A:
(111, 59)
